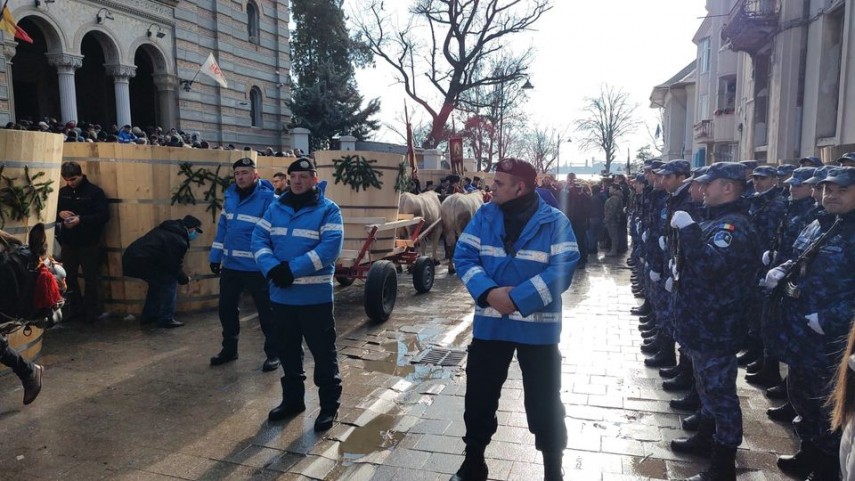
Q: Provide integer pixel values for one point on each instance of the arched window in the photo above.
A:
(255, 107)
(252, 22)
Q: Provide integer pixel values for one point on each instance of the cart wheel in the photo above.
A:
(381, 289)
(344, 281)
(423, 272)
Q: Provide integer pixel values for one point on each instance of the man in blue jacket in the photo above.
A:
(296, 245)
(516, 257)
(231, 259)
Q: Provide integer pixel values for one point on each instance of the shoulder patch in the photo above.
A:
(723, 239)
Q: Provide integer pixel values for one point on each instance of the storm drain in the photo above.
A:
(439, 356)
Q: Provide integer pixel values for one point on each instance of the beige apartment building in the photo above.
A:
(773, 82)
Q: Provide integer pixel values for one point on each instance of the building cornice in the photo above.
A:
(156, 10)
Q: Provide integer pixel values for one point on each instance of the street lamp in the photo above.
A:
(558, 153)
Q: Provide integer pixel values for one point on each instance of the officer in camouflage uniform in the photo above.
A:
(674, 174)
(784, 172)
(818, 176)
(709, 312)
(662, 345)
(767, 211)
(847, 160)
(799, 206)
(749, 165)
(816, 288)
(646, 309)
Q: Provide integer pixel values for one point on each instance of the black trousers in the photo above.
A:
(15, 361)
(486, 372)
(232, 284)
(316, 324)
(88, 258)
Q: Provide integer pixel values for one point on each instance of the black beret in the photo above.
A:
(303, 164)
(244, 162)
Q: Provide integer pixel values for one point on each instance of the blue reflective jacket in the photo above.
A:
(232, 244)
(310, 240)
(716, 279)
(542, 268)
(827, 288)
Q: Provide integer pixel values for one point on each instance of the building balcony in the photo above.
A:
(751, 25)
(704, 131)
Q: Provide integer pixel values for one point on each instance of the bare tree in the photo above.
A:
(609, 118)
(463, 36)
(541, 147)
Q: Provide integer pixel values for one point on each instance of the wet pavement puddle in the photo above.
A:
(374, 436)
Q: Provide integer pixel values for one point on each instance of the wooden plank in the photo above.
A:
(365, 220)
(395, 225)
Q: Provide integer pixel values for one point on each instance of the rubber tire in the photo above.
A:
(381, 290)
(423, 274)
(344, 281)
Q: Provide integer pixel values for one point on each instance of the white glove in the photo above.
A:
(674, 273)
(654, 276)
(662, 243)
(768, 256)
(669, 284)
(638, 226)
(681, 219)
(644, 236)
(774, 276)
(813, 323)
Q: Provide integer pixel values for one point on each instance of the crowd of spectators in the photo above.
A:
(91, 132)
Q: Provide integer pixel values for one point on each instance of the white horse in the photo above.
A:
(425, 205)
(457, 211)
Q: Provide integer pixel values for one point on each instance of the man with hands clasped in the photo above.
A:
(296, 245)
(817, 306)
(710, 289)
(516, 257)
(231, 259)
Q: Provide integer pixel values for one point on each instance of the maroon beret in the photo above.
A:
(518, 168)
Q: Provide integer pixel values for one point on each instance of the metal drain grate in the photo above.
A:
(440, 357)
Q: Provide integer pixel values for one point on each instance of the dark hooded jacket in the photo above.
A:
(161, 250)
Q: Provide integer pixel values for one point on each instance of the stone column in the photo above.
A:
(65, 65)
(348, 142)
(300, 139)
(121, 75)
(8, 51)
(166, 85)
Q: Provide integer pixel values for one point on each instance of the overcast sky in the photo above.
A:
(580, 45)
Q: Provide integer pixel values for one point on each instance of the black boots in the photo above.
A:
(689, 402)
(270, 364)
(325, 420)
(292, 404)
(641, 310)
(685, 376)
(474, 467)
(778, 392)
(769, 375)
(223, 357)
(693, 422)
(722, 465)
(802, 463)
(783, 414)
(666, 355)
(699, 443)
(552, 470)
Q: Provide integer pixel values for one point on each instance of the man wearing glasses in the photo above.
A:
(81, 215)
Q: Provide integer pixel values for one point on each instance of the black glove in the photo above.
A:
(215, 268)
(281, 275)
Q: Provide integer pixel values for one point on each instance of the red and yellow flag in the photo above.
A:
(10, 26)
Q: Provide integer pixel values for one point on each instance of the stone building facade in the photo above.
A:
(136, 62)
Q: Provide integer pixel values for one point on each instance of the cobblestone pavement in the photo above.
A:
(126, 403)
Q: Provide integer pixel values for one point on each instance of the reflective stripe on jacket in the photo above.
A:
(309, 239)
(542, 269)
(232, 245)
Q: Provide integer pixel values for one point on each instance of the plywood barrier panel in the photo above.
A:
(373, 202)
(139, 182)
(38, 152)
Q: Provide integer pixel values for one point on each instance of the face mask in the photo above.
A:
(193, 234)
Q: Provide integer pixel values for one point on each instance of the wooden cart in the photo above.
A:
(381, 275)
